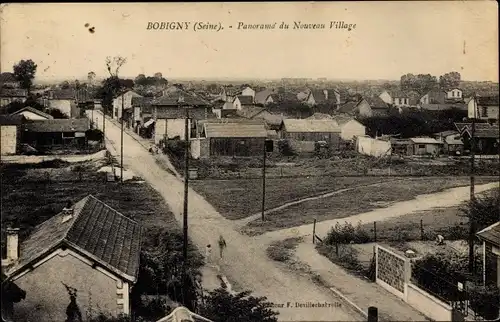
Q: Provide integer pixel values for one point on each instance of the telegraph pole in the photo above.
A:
(121, 140)
(472, 196)
(264, 181)
(186, 183)
(103, 125)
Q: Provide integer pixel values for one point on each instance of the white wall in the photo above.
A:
(368, 146)
(127, 103)
(351, 129)
(454, 93)
(169, 128)
(248, 92)
(32, 116)
(8, 139)
(62, 105)
(386, 97)
(237, 104)
(428, 304)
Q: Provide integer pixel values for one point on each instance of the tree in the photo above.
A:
(140, 79)
(483, 210)
(158, 75)
(56, 113)
(24, 72)
(77, 84)
(91, 78)
(221, 306)
(112, 85)
(65, 85)
(114, 65)
(450, 80)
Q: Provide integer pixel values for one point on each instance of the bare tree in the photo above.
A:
(114, 64)
(90, 78)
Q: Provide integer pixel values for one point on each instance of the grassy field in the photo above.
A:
(356, 201)
(28, 198)
(236, 199)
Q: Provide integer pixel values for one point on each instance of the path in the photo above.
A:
(362, 293)
(447, 198)
(245, 262)
(244, 221)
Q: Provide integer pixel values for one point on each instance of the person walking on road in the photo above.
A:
(208, 252)
(222, 245)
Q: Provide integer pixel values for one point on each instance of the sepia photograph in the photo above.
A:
(250, 161)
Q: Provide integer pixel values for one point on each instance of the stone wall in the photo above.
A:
(391, 269)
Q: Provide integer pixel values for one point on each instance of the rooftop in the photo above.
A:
(172, 99)
(13, 92)
(34, 111)
(58, 125)
(311, 126)
(245, 100)
(235, 130)
(491, 234)
(425, 141)
(95, 230)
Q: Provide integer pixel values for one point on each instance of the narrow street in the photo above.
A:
(245, 263)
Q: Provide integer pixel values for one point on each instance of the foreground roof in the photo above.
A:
(13, 92)
(491, 234)
(12, 119)
(425, 141)
(95, 230)
(235, 130)
(34, 111)
(311, 126)
(58, 125)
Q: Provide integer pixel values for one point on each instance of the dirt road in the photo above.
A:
(245, 264)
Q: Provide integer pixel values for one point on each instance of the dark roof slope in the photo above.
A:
(481, 130)
(172, 99)
(95, 230)
(491, 234)
(58, 125)
(488, 101)
(245, 100)
(13, 92)
(142, 101)
(63, 94)
(12, 119)
(376, 102)
(7, 77)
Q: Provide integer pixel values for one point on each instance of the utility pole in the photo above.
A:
(264, 181)
(103, 125)
(472, 196)
(186, 183)
(121, 139)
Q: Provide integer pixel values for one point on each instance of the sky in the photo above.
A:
(390, 39)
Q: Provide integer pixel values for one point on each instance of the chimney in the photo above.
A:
(67, 212)
(12, 244)
(326, 93)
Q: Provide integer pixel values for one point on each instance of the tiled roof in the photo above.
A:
(235, 130)
(311, 126)
(7, 78)
(481, 130)
(375, 102)
(172, 99)
(319, 116)
(63, 94)
(13, 92)
(261, 97)
(488, 101)
(95, 230)
(58, 125)
(425, 141)
(341, 119)
(12, 119)
(347, 107)
(35, 111)
(249, 111)
(142, 101)
(491, 234)
(245, 100)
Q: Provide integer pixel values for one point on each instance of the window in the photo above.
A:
(421, 146)
(453, 93)
(485, 111)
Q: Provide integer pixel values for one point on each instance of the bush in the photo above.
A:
(342, 255)
(285, 149)
(437, 276)
(95, 135)
(346, 234)
(484, 301)
(456, 232)
(281, 251)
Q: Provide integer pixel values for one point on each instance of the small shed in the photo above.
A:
(426, 146)
(490, 236)
(401, 146)
(57, 132)
(235, 139)
(9, 133)
(311, 130)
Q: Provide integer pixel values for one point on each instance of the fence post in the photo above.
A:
(372, 314)
(421, 229)
(314, 231)
(375, 231)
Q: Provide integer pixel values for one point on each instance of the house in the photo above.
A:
(483, 108)
(323, 97)
(271, 120)
(490, 236)
(404, 98)
(228, 93)
(65, 101)
(401, 147)
(426, 146)
(57, 132)
(265, 97)
(123, 101)
(386, 97)
(8, 80)
(303, 95)
(371, 107)
(486, 137)
(454, 94)
(222, 109)
(242, 139)
(374, 147)
(142, 108)
(435, 96)
(88, 249)
(10, 95)
(169, 114)
(248, 91)
(453, 144)
(31, 113)
(302, 134)
(10, 133)
(242, 100)
(350, 128)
